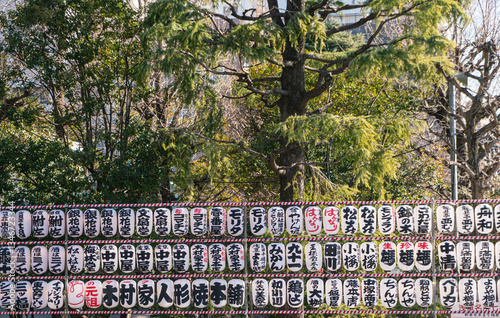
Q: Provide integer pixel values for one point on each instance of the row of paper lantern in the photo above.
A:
(276, 292)
(217, 221)
(127, 258)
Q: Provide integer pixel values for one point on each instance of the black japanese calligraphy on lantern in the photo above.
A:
(199, 223)
(91, 258)
(39, 259)
(162, 219)
(163, 258)
(235, 221)
(23, 224)
(423, 292)
(350, 256)
(128, 293)
(180, 258)
(386, 219)
(352, 292)
(218, 292)
(406, 287)
(467, 288)
(276, 220)
(180, 221)
(295, 292)
(333, 292)
(235, 257)
(484, 255)
(7, 262)
(389, 292)
(39, 295)
(126, 258)
(200, 293)
(165, 292)
(387, 255)
(146, 293)
(55, 290)
(447, 255)
(484, 218)
(7, 295)
(23, 259)
(91, 222)
(217, 221)
(110, 293)
(144, 221)
(368, 255)
(258, 221)
(445, 216)
(57, 223)
(57, 259)
(448, 292)
(294, 220)
(144, 258)
(260, 295)
(236, 293)
(465, 219)
(109, 221)
(294, 256)
(406, 255)
(367, 219)
(315, 292)
(466, 253)
(40, 223)
(258, 257)
(277, 292)
(276, 256)
(126, 222)
(333, 256)
(109, 258)
(422, 219)
(423, 255)
(199, 259)
(74, 223)
(23, 295)
(404, 217)
(314, 256)
(487, 293)
(74, 256)
(369, 292)
(217, 257)
(349, 220)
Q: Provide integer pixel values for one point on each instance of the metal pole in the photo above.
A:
(453, 139)
(247, 297)
(66, 267)
(433, 258)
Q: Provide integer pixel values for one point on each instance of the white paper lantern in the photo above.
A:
(200, 293)
(406, 288)
(467, 291)
(7, 295)
(235, 257)
(369, 292)
(445, 218)
(218, 292)
(217, 257)
(91, 258)
(349, 219)
(146, 293)
(465, 219)
(109, 222)
(236, 293)
(74, 256)
(144, 258)
(423, 255)
(352, 292)
(422, 219)
(7, 224)
(466, 254)
(180, 221)
(368, 256)
(57, 223)
(93, 294)
(423, 292)
(162, 219)
(109, 258)
(40, 223)
(260, 292)
(23, 224)
(23, 295)
(182, 293)
(333, 256)
(295, 292)
(387, 256)
(276, 256)
(217, 221)
(126, 222)
(39, 260)
(294, 220)
(331, 220)
(404, 218)
(180, 258)
(110, 293)
(258, 221)
(74, 223)
(350, 256)
(277, 292)
(312, 218)
(447, 255)
(484, 218)
(367, 219)
(163, 258)
(92, 222)
(55, 291)
(57, 259)
(258, 259)
(39, 294)
(235, 221)
(315, 292)
(314, 256)
(448, 292)
(485, 252)
(128, 293)
(276, 220)
(199, 223)
(199, 259)
(76, 294)
(406, 253)
(144, 222)
(294, 256)
(389, 292)
(165, 293)
(23, 260)
(333, 292)
(7, 261)
(126, 258)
